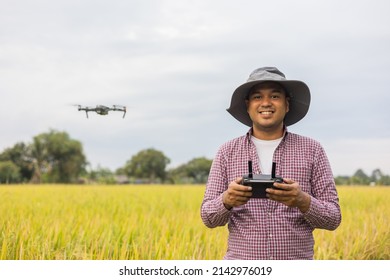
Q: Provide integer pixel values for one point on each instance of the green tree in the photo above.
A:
(376, 175)
(379, 178)
(360, 178)
(149, 165)
(20, 155)
(195, 171)
(102, 175)
(199, 169)
(9, 172)
(342, 180)
(57, 158)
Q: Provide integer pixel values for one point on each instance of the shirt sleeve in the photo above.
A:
(324, 211)
(213, 212)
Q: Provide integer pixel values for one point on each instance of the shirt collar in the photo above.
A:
(250, 133)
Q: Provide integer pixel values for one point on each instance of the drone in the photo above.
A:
(103, 110)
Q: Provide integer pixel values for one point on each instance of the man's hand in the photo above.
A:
(236, 194)
(290, 194)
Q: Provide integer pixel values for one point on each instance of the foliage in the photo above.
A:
(361, 178)
(9, 172)
(196, 171)
(101, 175)
(57, 158)
(19, 154)
(160, 222)
(51, 157)
(54, 157)
(148, 165)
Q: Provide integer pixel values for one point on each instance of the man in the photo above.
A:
(279, 226)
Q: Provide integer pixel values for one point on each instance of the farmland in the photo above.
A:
(78, 222)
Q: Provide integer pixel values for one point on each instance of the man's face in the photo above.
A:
(267, 105)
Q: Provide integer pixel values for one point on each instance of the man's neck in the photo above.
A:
(265, 134)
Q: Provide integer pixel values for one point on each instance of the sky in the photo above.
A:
(175, 65)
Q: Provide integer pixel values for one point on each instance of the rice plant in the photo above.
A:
(159, 222)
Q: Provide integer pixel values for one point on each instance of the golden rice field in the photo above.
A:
(160, 223)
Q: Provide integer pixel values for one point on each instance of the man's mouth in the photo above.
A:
(266, 112)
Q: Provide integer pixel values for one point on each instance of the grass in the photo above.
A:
(56, 222)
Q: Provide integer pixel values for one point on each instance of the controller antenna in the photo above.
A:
(273, 170)
(250, 171)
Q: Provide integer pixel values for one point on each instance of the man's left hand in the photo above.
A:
(290, 194)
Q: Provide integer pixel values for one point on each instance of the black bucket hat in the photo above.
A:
(297, 90)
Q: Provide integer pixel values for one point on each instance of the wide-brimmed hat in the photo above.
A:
(297, 90)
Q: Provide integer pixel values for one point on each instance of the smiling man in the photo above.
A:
(281, 225)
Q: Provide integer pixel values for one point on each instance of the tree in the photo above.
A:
(149, 164)
(199, 169)
(360, 178)
(376, 175)
(57, 158)
(379, 178)
(342, 180)
(9, 172)
(102, 175)
(20, 155)
(195, 171)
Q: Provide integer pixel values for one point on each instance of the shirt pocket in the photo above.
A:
(300, 172)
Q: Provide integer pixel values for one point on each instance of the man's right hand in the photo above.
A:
(236, 194)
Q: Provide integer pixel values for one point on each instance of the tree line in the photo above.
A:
(54, 157)
(361, 178)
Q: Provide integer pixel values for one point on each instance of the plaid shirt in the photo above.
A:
(265, 229)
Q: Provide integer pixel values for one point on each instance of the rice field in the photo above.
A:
(78, 222)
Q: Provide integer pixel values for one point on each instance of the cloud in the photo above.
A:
(175, 65)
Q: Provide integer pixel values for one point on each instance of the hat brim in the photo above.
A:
(299, 101)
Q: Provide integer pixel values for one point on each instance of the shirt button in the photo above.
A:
(270, 235)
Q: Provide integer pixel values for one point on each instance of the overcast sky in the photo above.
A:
(175, 64)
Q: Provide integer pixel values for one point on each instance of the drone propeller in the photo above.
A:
(120, 108)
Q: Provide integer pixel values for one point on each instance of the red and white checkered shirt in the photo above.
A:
(265, 229)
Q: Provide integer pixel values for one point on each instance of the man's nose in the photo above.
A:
(266, 101)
